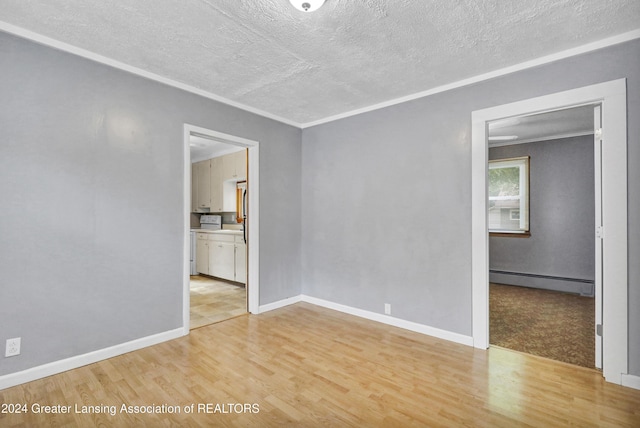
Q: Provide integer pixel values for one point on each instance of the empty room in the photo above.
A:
(352, 212)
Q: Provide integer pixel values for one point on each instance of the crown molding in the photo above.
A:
(56, 44)
(589, 47)
(65, 47)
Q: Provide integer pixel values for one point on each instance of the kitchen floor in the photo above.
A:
(214, 301)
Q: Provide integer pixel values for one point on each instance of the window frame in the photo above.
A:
(524, 163)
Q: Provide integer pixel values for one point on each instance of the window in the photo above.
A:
(509, 196)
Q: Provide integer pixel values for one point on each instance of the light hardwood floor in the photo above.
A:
(306, 366)
(214, 301)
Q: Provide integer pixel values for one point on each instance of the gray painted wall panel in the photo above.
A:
(562, 212)
(91, 172)
(376, 176)
(397, 181)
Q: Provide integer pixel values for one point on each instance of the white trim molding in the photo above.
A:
(372, 316)
(389, 320)
(56, 44)
(630, 381)
(77, 361)
(279, 304)
(65, 47)
(612, 98)
(589, 47)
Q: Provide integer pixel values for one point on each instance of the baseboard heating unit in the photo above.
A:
(584, 287)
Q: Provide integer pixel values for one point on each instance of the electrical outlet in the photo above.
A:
(13, 347)
(387, 308)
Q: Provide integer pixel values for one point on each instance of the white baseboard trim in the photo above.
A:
(60, 366)
(631, 381)
(396, 322)
(56, 367)
(279, 304)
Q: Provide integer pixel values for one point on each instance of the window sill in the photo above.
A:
(510, 235)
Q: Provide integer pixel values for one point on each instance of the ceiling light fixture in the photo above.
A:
(307, 5)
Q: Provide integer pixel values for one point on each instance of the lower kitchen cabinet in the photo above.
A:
(241, 260)
(221, 260)
(222, 255)
(202, 253)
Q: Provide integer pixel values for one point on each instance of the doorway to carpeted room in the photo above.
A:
(550, 324)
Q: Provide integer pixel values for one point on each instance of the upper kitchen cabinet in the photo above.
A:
(234, 166)
(194, 189)
(202, 176)
(213, 182)
(217, 193)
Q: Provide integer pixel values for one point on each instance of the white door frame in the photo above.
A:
(597, 185)
(612, 97)
(253, 219)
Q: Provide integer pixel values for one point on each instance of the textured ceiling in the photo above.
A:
(348, 55)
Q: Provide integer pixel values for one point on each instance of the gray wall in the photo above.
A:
(87, 154)
(400, 177)
(562, 217)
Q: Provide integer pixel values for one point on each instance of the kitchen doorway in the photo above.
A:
(194, 133)
(614, 327)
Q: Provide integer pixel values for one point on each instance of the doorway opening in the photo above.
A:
(611, 96)
(542, 213)
(221, 246)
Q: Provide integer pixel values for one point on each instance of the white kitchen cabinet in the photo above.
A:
(194, 189)
(234, 166)
(241, 260)
(217, 195)
(213, 182)
(222, 256)
(202, 253)
(241, 164)
(203, 185)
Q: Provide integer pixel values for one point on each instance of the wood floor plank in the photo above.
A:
(305, 366)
